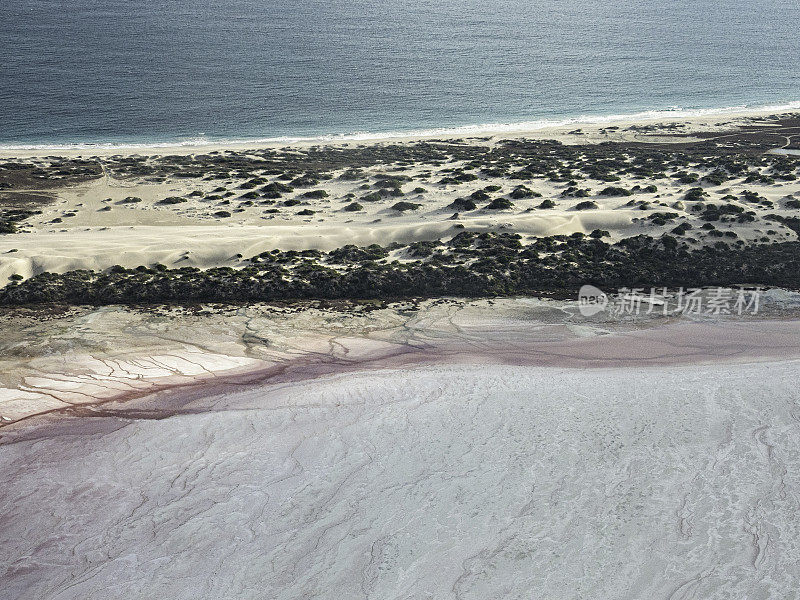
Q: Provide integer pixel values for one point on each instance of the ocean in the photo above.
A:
(198, 71)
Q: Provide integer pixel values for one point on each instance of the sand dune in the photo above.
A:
(216, 245)
(131, 220)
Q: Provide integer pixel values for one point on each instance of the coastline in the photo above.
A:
(592, 132)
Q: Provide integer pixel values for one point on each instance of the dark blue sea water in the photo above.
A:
(119, 72)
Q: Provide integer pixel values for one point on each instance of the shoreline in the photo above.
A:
(590, 126)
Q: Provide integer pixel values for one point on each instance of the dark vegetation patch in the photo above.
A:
(681, 229)
(468, 265)
(615, 191)
(352, 175)
(422, 249)
(404, 206)
(371, 197)
(172, 200)
(695, 194)
(479, 195)
(391, 180)
(574, 191)
(462, 205)
(586, 205)
(500, 204)
(733, 212)
(304, 181)
(662, 218)
(24, 199)
(31, 174)
(390, 192)
(11, 218)
(275, 190)
(522, 191)
(315, 194)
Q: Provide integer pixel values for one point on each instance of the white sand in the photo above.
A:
(217, 245)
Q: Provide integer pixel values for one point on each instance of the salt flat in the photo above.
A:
(456, 481)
